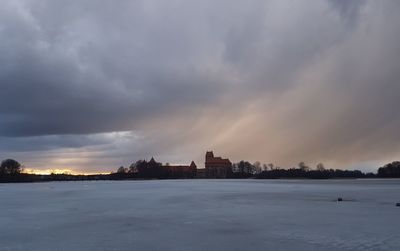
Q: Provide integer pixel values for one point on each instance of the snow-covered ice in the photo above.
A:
(201, 215)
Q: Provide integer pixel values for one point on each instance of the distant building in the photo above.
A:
(217, 167)
(201, 173)
(181, 171)
(153, 163)
(154, 169)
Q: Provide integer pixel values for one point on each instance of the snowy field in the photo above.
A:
(201, 215)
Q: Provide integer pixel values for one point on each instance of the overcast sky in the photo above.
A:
(90, 85)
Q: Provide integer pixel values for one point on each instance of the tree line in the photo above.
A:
(141, 169)
(12, 171)
(245, 169)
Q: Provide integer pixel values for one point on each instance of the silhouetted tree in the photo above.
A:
(245, 167)
(10, 167)
(141, 167)
(391, 170)
(122, 170)
(134, 167)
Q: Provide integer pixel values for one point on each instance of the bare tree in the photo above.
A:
(122, 169)
(265, 167)
(257, 167)
(304, 167)
(320, 167)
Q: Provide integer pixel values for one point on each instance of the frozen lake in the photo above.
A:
(201, 215)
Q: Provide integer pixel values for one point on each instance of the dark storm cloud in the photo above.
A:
(43, 143)
(92, 69)
(279, 81)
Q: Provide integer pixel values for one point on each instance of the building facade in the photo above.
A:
(181, 171)
(217, 167)
(154, 169)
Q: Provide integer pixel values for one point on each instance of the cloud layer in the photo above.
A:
(91, 85)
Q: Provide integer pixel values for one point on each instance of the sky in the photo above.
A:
(90, 85)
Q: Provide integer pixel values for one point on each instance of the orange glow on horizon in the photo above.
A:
(58, 171)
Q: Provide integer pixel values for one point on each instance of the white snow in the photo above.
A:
(201, 215)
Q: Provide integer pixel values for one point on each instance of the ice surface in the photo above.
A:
(201, 215)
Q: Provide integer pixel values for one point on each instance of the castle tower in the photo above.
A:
(217, 167)
(209, 155)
